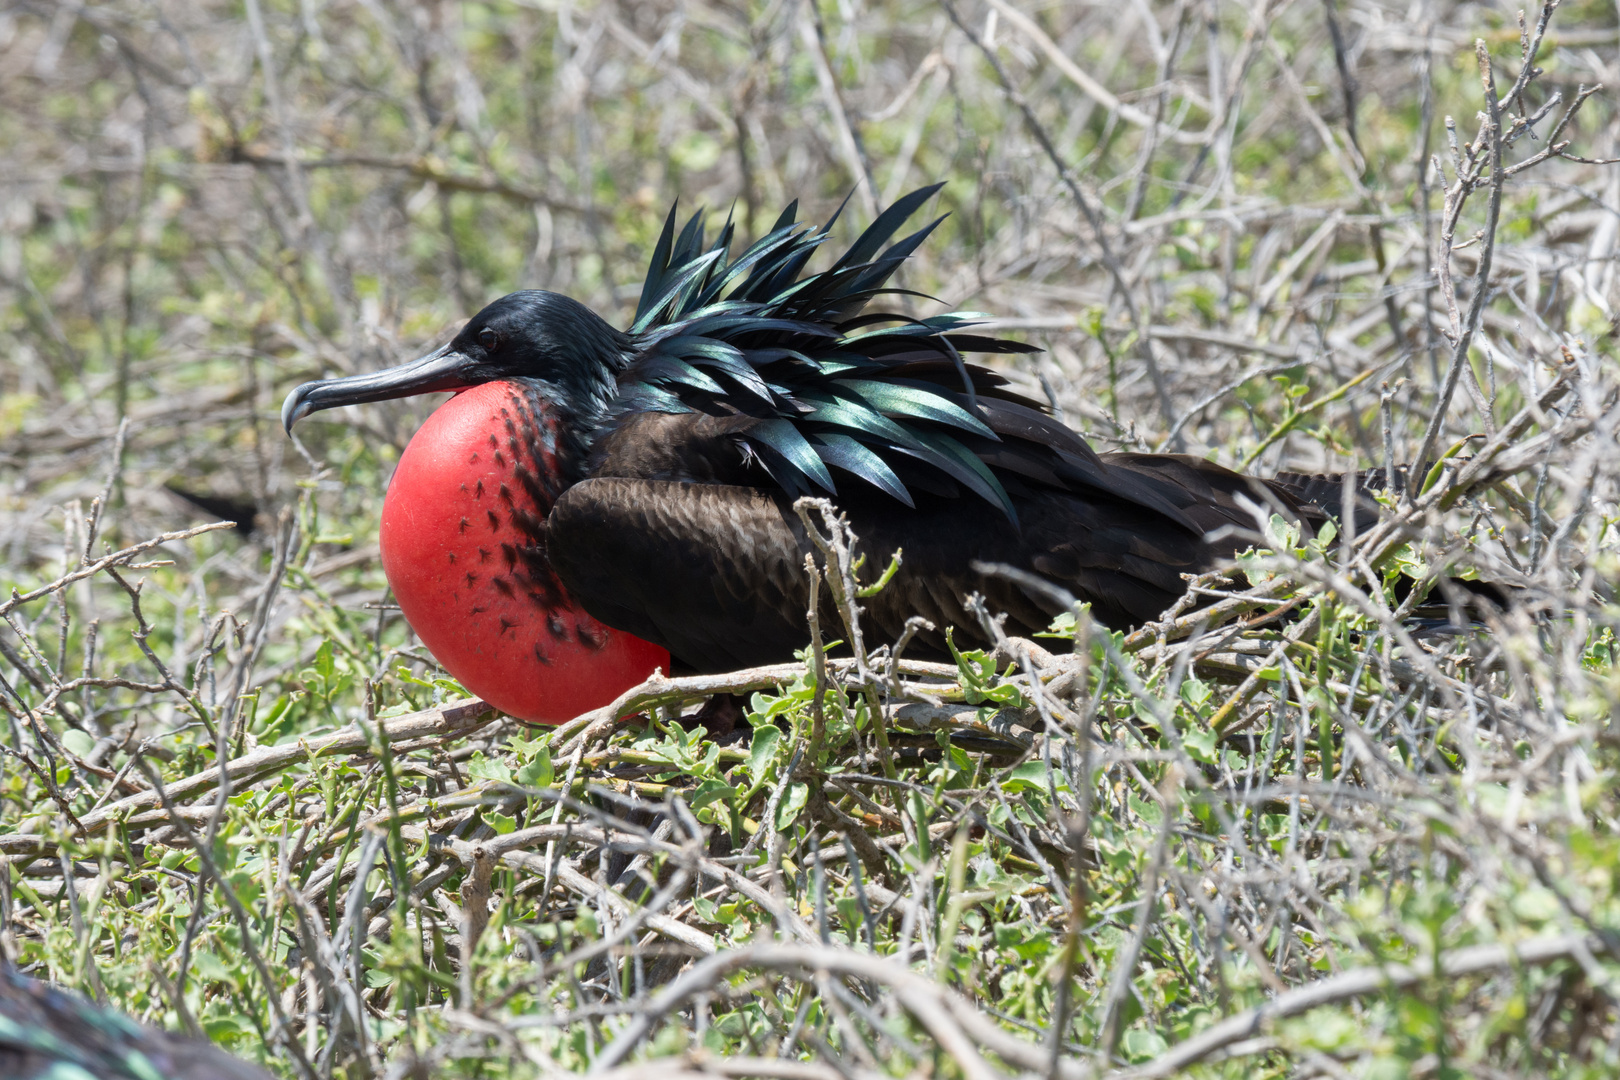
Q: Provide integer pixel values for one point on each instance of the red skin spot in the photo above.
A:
(491, 638)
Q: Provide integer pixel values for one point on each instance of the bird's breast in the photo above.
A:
(463, 542)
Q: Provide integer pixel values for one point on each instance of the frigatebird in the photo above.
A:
(587, 479)
(50, 1034)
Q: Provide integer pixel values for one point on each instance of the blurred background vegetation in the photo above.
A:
(1223, 221)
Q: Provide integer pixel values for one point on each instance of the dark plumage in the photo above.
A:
(243, 514)
(49, 1034)
(742, 384)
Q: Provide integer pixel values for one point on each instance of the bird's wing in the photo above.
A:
(1326, 491)
(715, 572)
(1216, 499)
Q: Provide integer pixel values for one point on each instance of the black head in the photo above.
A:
(530, 334)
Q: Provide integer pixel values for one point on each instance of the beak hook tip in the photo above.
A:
(295, 408)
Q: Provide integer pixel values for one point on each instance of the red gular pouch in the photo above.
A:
(464, 547)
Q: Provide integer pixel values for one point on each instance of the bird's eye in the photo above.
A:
(488, 338)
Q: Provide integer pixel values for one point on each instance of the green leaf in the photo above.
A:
(762, 753)
(1535, 904)
(501, 823)
(537, 773)
(1030, 776)
(1150, 812)
(710, 791)
(919, 818)
(793, 801)
(245, 886)
(1061, 627)
(210, 968)
(1140, 1045)
(1325, 1029)
(481, 768)
(217, 1028)
(1200, 744)
(79, 743)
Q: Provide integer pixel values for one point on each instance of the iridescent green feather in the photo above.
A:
(830, 386)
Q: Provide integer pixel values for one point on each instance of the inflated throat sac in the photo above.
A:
(464, 548)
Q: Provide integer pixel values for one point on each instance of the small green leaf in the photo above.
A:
(481, 768)
(1150, 812)
(210, 968)
(1061, 627)
(79, 743)
(763, 751)
(1535, 904)
(1200, 744)
(919, 817)
(527, 748)
(793, 801)
(217, 1028)
(709, 791)
(1140, 1045)
(537, 773)
(1030, 776)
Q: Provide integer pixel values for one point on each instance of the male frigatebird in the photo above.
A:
(588, 480)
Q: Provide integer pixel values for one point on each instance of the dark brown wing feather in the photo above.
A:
(714, 571)
(1324, 493)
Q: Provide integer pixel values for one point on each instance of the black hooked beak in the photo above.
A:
(442, 369)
